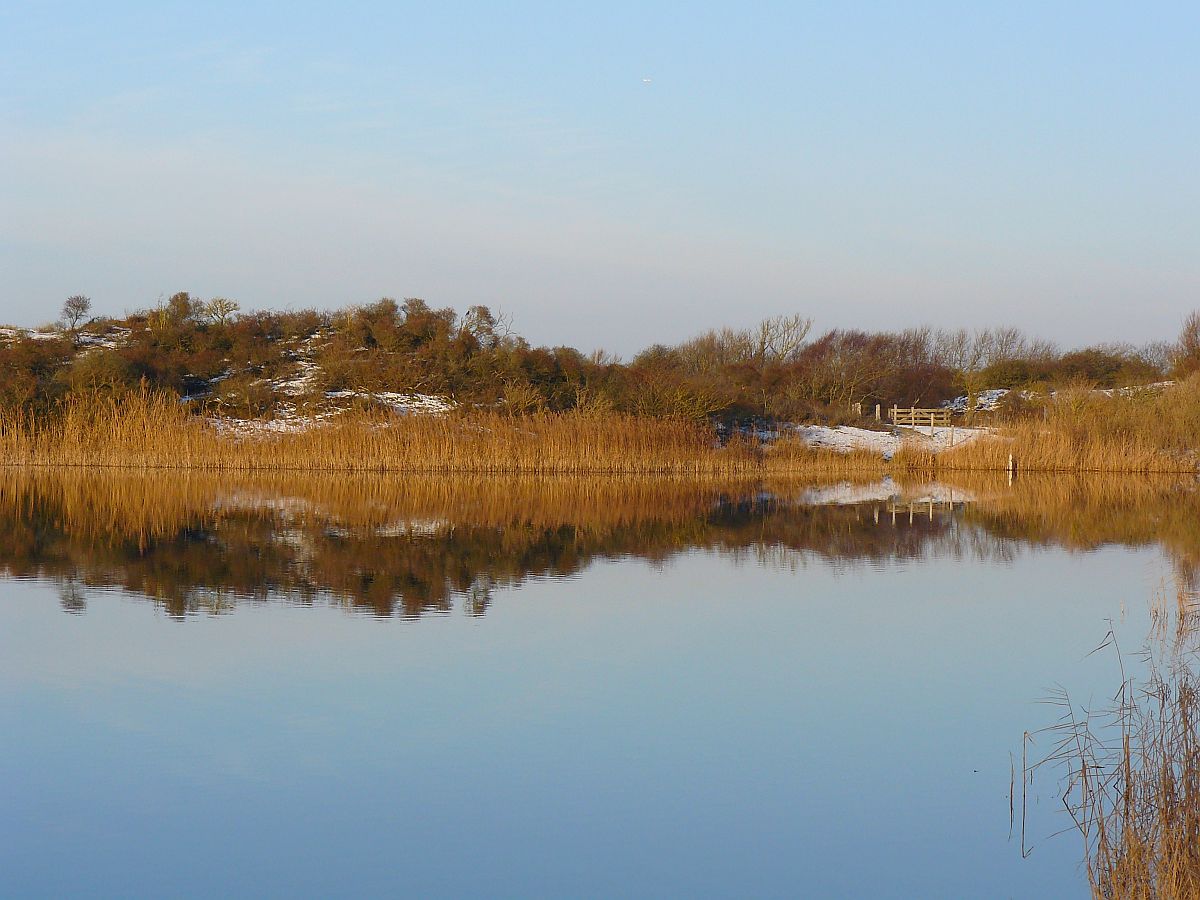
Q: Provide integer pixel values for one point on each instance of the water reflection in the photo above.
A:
(409, 547)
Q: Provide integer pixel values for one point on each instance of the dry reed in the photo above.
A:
(1133, 785)
(1084, 430)
(151, 431)
(1156, 434)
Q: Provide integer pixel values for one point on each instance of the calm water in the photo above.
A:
(283, 688)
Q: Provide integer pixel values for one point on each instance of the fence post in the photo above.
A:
(876, 412)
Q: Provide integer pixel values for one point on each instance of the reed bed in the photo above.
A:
(1082, 430)
(793, 457)
(1143, 435)
(151, 431)
(1038, 448)
(1133, 774)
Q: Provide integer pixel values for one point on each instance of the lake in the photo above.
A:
(312, 686)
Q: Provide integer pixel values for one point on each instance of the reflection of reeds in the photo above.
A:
(189, 537)
(204, 540)
(129, 504)
(1084, 512)
(1133, 785)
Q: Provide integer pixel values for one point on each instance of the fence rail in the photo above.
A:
(916, 418)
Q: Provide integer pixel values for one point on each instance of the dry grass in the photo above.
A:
(1039, 448)
(1146, 434)
(1086, 431)
(152, 431)
(791, 456)
(1133, 785)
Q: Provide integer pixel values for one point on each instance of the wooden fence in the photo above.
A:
(921, 418)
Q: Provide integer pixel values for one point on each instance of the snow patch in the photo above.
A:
(990, 400)
(847, 438)
(402, 403)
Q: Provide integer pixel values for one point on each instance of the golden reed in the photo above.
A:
(1133, 789)
(154, 431)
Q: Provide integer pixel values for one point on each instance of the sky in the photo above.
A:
(610, 175)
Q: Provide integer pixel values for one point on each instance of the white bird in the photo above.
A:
(645, 81)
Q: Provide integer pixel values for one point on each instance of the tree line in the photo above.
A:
(248, 363)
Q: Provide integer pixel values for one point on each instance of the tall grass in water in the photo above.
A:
(1134, 789)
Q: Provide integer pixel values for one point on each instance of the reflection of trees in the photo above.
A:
(415, 554)
(219, 558)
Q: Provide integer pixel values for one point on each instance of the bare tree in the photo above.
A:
(74, 310)
(968, 353)
(1186, 356)
(712, 351)
(602, 358)
(773, 341)
(1157, 354)
(219, 310)
(841, 368)
(779, 339)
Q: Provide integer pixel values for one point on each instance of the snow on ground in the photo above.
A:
(113, 338)
(944, 438)
(985, 401)
(1134, 389)
(990, 400)
(30, 334)
(287, 420)
(847, 438)
(305, 380)
(402, 403)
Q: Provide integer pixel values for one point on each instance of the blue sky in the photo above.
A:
(871, 165)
